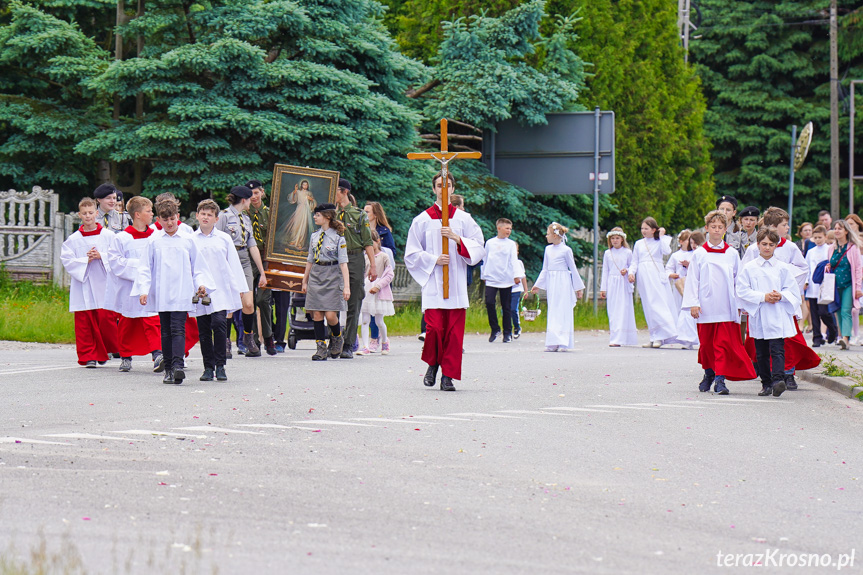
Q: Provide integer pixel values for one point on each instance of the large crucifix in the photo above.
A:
(444, 157)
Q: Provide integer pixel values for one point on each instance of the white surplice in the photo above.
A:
(814, 256)
(499, 263)
(653, 287)
(424, 246)
(559, 278)
(171, 270)
(124, 260)
(618, 294)
(769, 320)
(710, 285)
(687, 329)
(789, 253)
(217, 249)
(87, 288)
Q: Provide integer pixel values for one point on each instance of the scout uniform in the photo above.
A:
(358, 236)
(327, 249)
(239, 227)
(263, 297)
(113, 221)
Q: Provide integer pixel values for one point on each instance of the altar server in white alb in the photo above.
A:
(677, 268)
(769, 293)
(559, 278)
(499, 274)
(172, 273)
(182, 226)
(139, 332)
(217, 249)
(424, 260)
(648, 268)
(83, 256)
(617, 289)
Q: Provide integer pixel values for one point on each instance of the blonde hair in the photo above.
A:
(137, 204)
(86, 203)
(621, 235)
(716, 215)
(774, 216)
(558, 230)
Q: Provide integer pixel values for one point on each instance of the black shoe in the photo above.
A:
(446, 383)
(516, 332)
(115, 355)
(90, 364)
(493, 336)
(179, 376)
(228, 354)
(169, 376)
(126, 364)
(817, 344)
(790, 382)
(507, 338)
(719, 387)
(831, 340)
(705, 384)
(779, 387)
(766, 390)
(207, 375)
(270, 344)
(346, 353)
(430, 376)
(220, 373)
(101, 362)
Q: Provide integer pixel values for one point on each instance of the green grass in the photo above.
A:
(38, 313)
(832, 368)
(407, 319)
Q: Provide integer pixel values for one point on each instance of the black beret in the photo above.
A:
(104, 191)
(749, 212)
(324, 207)
(343, 183)
(730, 199)
(242, 192)
(252, 184)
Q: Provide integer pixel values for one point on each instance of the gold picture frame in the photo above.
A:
(295, 193)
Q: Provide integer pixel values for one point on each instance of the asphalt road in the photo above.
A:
(595, 461)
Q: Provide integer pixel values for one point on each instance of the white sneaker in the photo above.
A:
(649, 344)
(422, 336)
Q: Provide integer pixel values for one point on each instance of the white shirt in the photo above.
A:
(769, 320)
(217, 249)
(124, 260)
(498, 266)
(424, 245)
(815, 256)
(519, 273)
(171, 271)
(710, 285)
(87, 289)
(787, 252)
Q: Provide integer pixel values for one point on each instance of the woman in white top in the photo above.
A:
(647, 267)
(617, 288)
(676, 268)
(559, 277)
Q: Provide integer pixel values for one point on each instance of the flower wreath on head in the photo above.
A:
(558, 229)
(613, 233)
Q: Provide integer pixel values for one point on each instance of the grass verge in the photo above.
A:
(38, 313)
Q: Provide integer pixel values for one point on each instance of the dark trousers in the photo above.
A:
(423, 325)
(173, 326)
(282, 301)
(356, 267)
(505, 295)
(264, 302)
(213, 333)
(237, 320)
(817, 314)
(516, 297)
(770, 352)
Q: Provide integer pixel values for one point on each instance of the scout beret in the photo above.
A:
(324, 207)
(730, 199)
(242, 192)
(749, 212)
(104, 191)
(252, 184)
(343, 183)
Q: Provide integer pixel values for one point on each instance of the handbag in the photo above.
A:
(827, 293)
(680, 283)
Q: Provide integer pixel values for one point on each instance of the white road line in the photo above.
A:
(86, 436)
(329, 422)
(669, 405)
(153, 432)
(441, 417)
(217, 430)
(487, 415)
(381, 419)
(277, 426)
(699, 402)
(36, 441)
(528, 412)
(38, 369)
(726, 399)
(579, 409)
(624, 407)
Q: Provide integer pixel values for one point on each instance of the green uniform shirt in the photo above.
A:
(358, 234)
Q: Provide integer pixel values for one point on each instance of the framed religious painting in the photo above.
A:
(295, 193)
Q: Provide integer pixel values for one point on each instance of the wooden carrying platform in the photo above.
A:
(284, 277)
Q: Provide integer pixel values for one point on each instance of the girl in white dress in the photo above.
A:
(677, 267)
(648, 268)
(617, 287)
(559, 277)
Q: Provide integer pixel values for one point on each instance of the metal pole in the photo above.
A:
(791, 176)
(851, 152)
(834, 114)
(596, 114)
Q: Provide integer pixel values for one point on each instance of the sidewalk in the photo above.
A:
(840, 370)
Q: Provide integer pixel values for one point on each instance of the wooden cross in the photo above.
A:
(444, 157)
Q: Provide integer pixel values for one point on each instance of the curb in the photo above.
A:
(842, 385)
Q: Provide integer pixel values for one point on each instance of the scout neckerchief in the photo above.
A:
(256, 226)
(105, 217)
(242, 226)
(318, 247)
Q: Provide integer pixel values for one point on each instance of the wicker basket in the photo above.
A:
(530, 314)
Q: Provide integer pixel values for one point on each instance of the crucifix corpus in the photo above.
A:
(444, 157)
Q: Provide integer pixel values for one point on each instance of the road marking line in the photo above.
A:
(381, 419)
(669, 405)
(165, 433)
(487, 415)
(528, 412)
(277, 426)
(85, 436)
(441, 417)
(579, 409)
(624, 407)
(218, 429)
(38, 369)
(329, 422)
(23, 440)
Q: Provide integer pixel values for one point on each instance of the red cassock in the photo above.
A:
(139, 335)
(721, 349)
(108, 326)
(798, 354)
(89, 335)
